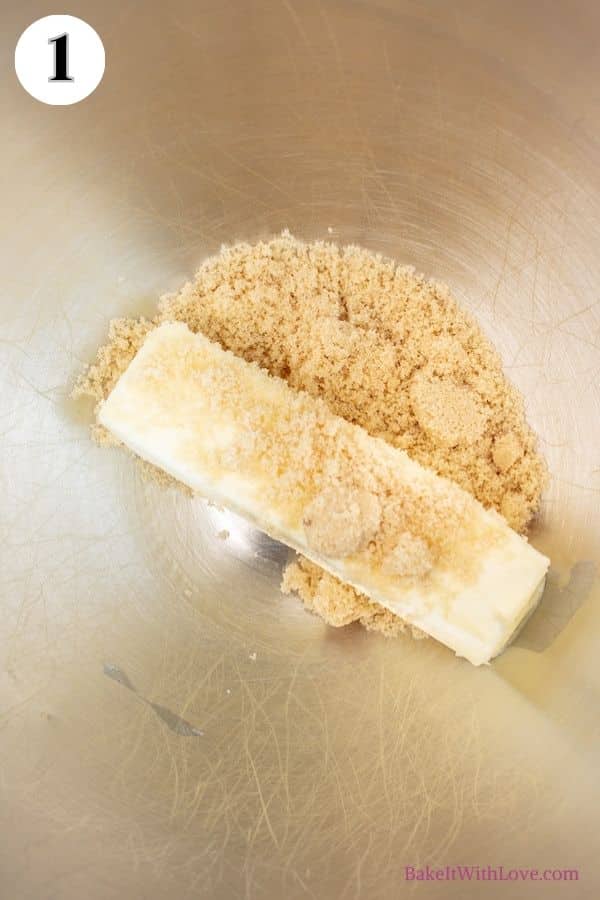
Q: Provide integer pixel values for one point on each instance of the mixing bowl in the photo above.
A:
(171, 724)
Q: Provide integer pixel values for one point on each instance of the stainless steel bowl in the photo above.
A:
(173, 726)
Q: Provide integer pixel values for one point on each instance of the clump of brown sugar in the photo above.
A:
(341, 521)
(340, 604)
(385, 348)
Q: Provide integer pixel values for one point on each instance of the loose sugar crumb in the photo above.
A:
(339, 604)
(386, 349)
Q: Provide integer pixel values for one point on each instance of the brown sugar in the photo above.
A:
(340, 604)
(386, 349)
(451, 414)
(341, 521)
(411, 555)
(506, 450)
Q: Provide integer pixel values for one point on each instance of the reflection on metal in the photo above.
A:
(561, 602)
(174, 722)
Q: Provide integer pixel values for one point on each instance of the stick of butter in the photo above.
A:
(361, 509)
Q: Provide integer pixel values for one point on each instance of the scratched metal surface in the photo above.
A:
(171, 725)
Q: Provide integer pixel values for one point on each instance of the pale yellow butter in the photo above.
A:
(246, 440)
